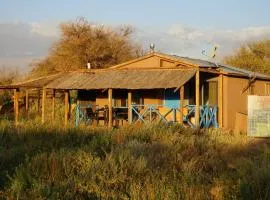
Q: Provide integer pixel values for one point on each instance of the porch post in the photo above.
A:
(53, 104)
(220, 100)
(182, 91)
(110, 108)
(129, 107)
(26, 102)
(38, 103)
(66, 107)
(197, 110)
(43, 106)
(16, 106)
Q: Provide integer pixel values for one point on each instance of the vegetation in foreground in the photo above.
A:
(148, 162)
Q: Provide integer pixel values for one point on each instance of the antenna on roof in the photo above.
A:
(152, 48)
(212, 53)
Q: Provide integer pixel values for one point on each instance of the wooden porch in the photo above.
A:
(196, 107)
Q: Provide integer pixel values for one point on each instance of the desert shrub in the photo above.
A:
(134, 162)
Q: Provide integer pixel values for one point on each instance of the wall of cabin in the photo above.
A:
(153, 62)
(235, 101)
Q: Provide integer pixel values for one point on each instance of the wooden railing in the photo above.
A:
(149, 114)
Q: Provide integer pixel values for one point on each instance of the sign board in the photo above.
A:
(259, 116)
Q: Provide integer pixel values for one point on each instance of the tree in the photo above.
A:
(7, 76)
(254, 56)
(82, 42)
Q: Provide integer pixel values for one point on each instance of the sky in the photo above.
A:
(183, 27)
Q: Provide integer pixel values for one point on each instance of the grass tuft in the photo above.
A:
(134, 162)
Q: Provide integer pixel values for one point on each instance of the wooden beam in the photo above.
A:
(212, 71)
(43, 106)
(197, 93)
(202, 92)
(66, 107)
(16, 106)
(38, 103)
(26, 103)
(220, 101)
(182, 92)
(159, 62)
(129, 107)
(110, 108)
(104, 90)
(53, 105)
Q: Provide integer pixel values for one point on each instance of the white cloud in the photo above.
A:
(45, 28)
(190, 41)
(184, 32)
(21, 42)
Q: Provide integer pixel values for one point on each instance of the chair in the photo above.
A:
(120, 114)
(90, 114)
(102, 114)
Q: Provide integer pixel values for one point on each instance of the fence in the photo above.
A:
(149, 114)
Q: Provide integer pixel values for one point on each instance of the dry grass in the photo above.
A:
(148, 162)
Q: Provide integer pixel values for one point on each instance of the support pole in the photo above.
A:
(220, 100)
(197, 110)
(53, 105)
(110, 108)
(26, 103)
(43, 105)
(129, 107)
(38, 103)
(16, 106)
(66, 107)
(182, 91)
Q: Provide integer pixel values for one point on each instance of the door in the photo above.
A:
(171, 98)
(213, 93)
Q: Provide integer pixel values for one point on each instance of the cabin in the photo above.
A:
(155, 88)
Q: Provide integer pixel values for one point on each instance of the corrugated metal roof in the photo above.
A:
(222, 67)
(124, 79)
(230, 69)
(199, 62)
(33, 83)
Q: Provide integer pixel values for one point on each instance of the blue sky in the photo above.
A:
(226, 13)
(183, 27)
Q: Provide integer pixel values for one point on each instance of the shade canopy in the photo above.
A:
(123, 79)
(33, 83)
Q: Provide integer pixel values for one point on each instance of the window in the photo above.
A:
(137, 98)
(119, 102)
(267, 89)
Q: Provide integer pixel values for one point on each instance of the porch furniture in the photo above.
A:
(84, 114)
(103, 114)
(120, 114)
(91, 115)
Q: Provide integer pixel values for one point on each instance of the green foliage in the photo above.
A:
(254, 56)
(147, 162)
(82, 42)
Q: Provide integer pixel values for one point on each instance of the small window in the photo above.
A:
(267, 89)
(137, 99)
(120, 102)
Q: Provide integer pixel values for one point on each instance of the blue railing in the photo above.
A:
(208, 115)
(152, 113)
(81, 115)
